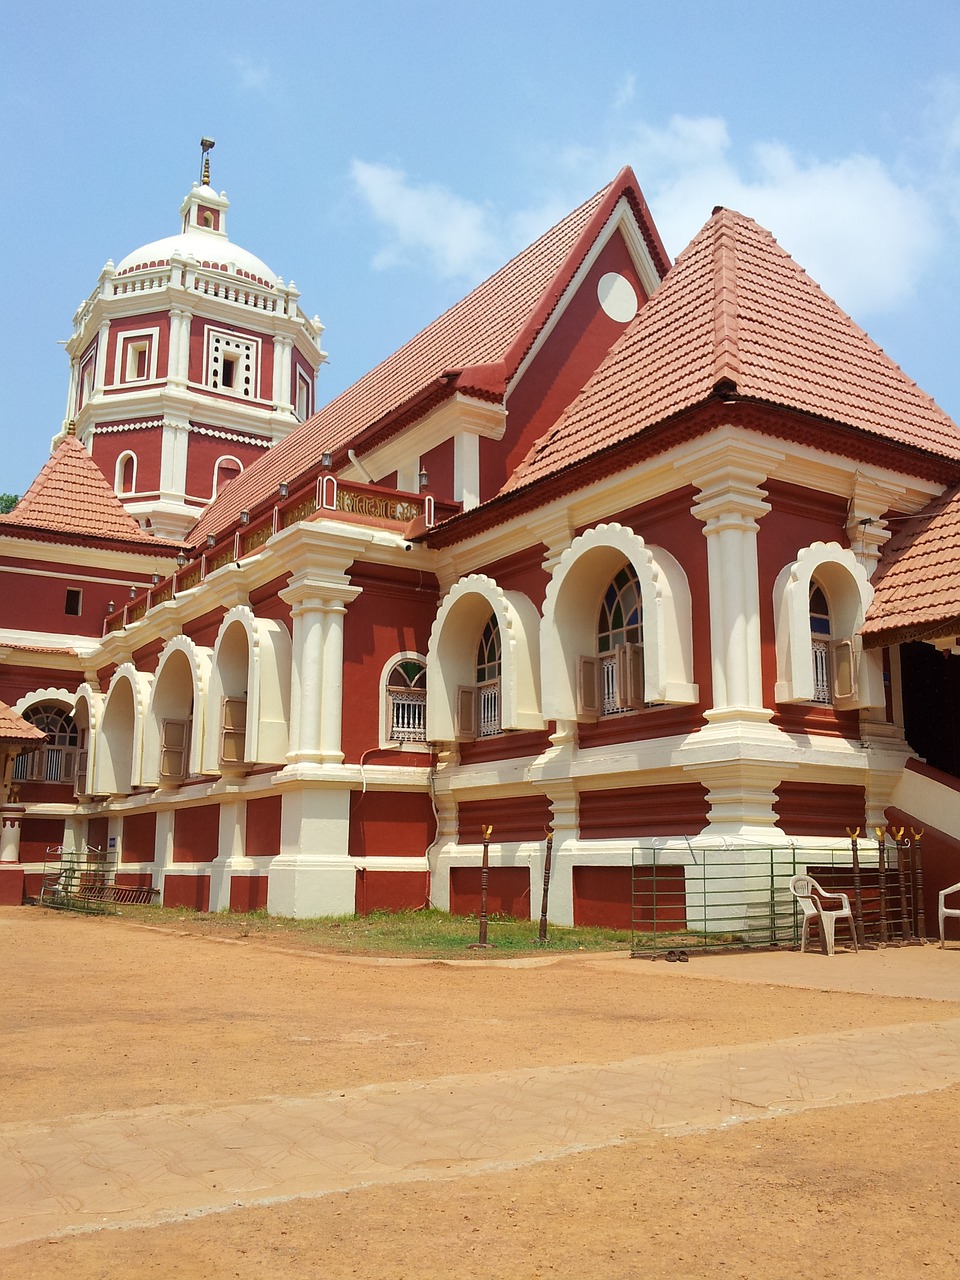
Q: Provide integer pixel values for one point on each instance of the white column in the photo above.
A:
(10, 818)
(466, 469)
(318, 608)
(72, 394)
(178, 356)
(282, 372)
(730, 506)
(174, 440)
(100, 368)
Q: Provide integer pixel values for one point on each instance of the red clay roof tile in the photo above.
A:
(478, 344)
(736, 313)
(71, 496)
(13, 728)
(917, 584)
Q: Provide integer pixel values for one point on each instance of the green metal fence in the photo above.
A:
(698, 898)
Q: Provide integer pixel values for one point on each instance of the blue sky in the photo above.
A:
(388, 156)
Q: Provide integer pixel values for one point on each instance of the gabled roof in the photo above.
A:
(474, 348)
(917, 583)
(14, 729)
(71, 497)
(737, 315)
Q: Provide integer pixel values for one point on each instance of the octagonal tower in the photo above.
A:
(188, 360)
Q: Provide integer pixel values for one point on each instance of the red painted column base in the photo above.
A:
(11, 885)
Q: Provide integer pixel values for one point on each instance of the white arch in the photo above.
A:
(87, 715)
(118, 750)
(59, 697)
(265, 684)
(847, 588)
(167, 702)
(404, 655)
(452, 652)
(118, 473)
(226, 457)
(571, 606)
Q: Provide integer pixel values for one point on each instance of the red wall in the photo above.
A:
(508, 891)
(38, 604)
(391, 890)
(145, 444)
(203, 453)
(602, 897)
(439, 467)
(677, 809)
(192, 892)
(572, 352)
(522, 572)
(196, 833)
(820, 809)
(394, 612)
(37, 835)
(139, 838)
(97, 836)
(248, 893)
(512, 818)
(263, 826)
(390, 824)
(128, 324)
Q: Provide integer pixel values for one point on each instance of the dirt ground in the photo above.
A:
(99, 1014)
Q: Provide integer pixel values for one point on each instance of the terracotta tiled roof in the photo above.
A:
(475, 347)
(71, 496)
(737, 314)
(13, 728)
(917, 584)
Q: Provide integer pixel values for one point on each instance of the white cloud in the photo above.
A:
(428, 223)
(862, 232)
(864, 235)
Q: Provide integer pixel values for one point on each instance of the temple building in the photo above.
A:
(660, 557)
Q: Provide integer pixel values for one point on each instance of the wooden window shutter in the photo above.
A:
(844, 674)
(588, 688)
(234, 733)
(80, 788)
(466, 725)
(630, 677)
(174, 740)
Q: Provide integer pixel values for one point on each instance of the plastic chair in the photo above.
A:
(945, 910)
(811, 898)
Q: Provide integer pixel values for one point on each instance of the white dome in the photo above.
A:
(205, 246)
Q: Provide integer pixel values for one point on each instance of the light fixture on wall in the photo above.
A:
(423, 479)
(283, 489)
(181, 560)
(155, 579)
(133, 593)
(326, 461)
(211, 541)
(110, 606)
(244, 517)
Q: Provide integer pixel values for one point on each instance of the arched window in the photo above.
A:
(820, 644)
(227, 469)
(612, 683)
(126, 473)
(488, 680)
(834, 672)
(407, 701)
(56, 761)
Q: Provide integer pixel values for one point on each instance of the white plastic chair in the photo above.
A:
(945, 910)
(811, 898)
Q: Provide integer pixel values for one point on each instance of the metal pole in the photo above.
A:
(882, 877)
(546, 888)
(918, 863)
(857, 897)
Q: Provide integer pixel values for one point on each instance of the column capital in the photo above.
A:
(729, 498)
(328, 592)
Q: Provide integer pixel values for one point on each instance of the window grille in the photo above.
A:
(407, 694)
(54, 762)
(820, 645)
(488, 680)
(489, 718)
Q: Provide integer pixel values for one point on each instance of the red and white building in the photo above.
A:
(594, 552)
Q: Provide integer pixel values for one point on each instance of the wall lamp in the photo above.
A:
(326, 461)
(283, 489)
(244, 517)
(181, 560)
(423, 479)
(211, 541)
(155, 579)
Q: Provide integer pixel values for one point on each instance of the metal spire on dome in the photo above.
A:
(206, 146)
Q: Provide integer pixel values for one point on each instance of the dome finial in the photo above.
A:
(206, 146)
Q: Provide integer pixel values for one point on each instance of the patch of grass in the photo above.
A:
(400, 933)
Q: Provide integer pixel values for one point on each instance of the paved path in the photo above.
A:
(162, 1163)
